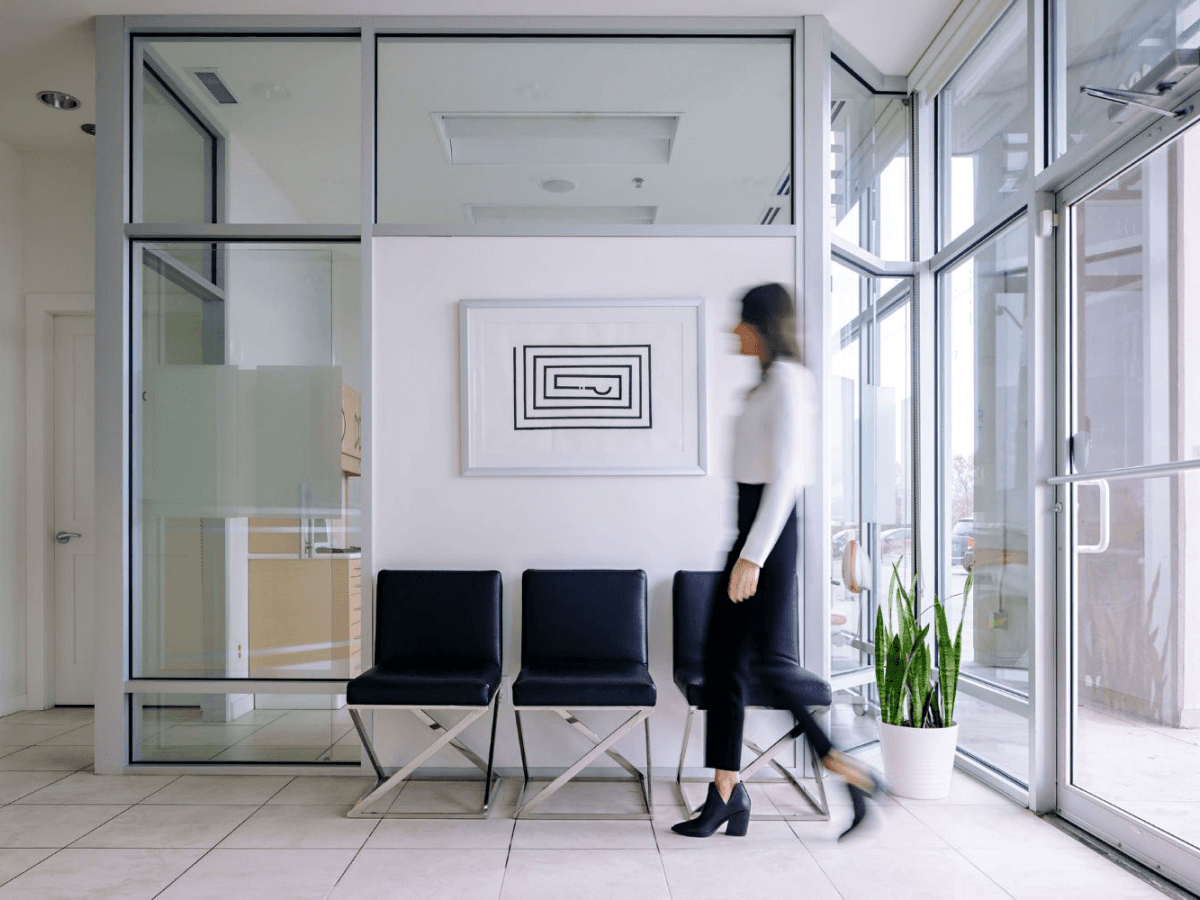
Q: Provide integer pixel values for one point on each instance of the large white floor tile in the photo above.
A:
(261, 875)
(84, 787)
(322, 790)
(299, 827)
(14, 862)
(1064, 873)
(583, 835)
(50, 826)
(21, 733)
(435, 834)
(14, 785)
(584, 875)
(905, 873)
(964, 791)
(429, 875)
(74, 716)
(168, 827)
(100, 875)
(451, 797)
(83, 736)
(237, 790)
(885, 826)
(761, 834)
(44, 758)
(993, 825)
(721, 873)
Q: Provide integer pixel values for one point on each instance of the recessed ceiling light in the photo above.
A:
(89, 128)
(58, 100)
(558, 185)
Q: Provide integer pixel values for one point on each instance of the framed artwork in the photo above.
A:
(583, 387)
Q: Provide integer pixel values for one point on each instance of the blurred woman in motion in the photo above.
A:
(772, 460)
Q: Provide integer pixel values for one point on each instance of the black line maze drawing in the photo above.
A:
(581, 386)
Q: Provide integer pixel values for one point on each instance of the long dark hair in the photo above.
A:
(771, 311)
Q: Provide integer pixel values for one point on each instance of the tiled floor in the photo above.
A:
(66, 833)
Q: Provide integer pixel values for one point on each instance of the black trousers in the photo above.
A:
(755, 631)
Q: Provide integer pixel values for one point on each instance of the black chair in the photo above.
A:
(437, 647)
(584, 645)
(693, 594)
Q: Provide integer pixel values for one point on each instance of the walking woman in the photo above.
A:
(771, 461)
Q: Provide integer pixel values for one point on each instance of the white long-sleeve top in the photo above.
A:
(773, 446)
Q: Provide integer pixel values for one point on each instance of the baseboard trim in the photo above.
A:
(12, 703)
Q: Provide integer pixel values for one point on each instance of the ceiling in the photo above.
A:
(50, 45)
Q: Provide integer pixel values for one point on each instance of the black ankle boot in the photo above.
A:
(717, 812)
(858, 799)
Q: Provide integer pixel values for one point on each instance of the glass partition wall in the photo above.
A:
(246, 382)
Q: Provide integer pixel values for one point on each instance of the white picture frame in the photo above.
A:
(583, 387)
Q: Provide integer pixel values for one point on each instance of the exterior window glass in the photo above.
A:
(1133, 45)
(985, 479)
(984, 128)
(870, 136)
(260, 99)
(585, 131)
(246, 501)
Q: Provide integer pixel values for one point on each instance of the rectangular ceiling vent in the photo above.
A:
(215, 85)
(556, 138)
(493, 214)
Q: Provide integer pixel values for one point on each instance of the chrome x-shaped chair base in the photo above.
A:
(526, 808)
(819, 803)
(448, 737)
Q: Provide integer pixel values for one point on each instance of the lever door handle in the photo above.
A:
(64, 537)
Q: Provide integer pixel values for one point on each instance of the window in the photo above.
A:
(585, 131)
(984, 128)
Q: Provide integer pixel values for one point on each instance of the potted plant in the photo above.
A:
(917, 731)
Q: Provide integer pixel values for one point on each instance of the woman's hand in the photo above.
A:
(743, 580)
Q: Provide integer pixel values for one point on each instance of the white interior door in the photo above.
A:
(74, 502)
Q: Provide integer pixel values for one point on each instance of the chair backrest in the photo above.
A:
(437, 616)
(584, 614)
(692, 597)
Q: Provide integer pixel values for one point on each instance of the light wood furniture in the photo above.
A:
(306, 613)
(351, 431)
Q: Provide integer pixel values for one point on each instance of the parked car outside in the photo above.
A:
(960, 539)
(896, 541)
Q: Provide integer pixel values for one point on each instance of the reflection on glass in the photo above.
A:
(985, 475)
(984, 127)
(178, 156)
(243, 728)
(871, 442)
(605, 131)
(1133, 292)
(1123, 44)
(248, 521)
(851, 292)
(266, 97)
(1136, 705)
(870, 159)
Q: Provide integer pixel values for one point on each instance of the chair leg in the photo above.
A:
(362, 808)
(356, 718)
(524, 761)
(526, 808)
(487, 785)
(648, 781)
(687, 736)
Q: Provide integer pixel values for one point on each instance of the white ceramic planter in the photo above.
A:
(918, 762)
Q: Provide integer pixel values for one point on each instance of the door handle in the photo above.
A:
(64, 537)
(1102, 545)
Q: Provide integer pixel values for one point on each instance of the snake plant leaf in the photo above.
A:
(881, 643)
(947, 661)
(893, 688)
(917, 676)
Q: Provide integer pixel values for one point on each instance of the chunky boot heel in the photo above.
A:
(717, 812)
(738, 825)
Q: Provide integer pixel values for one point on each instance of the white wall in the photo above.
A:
(426, 515)
(12, 437)
(60, 215)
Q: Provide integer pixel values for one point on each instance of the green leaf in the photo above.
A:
(881, 645)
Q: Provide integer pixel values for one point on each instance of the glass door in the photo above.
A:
(1130, 727)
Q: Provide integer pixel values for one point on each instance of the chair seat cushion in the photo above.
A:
(456, 684)
(690, 681)
(584, 683)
